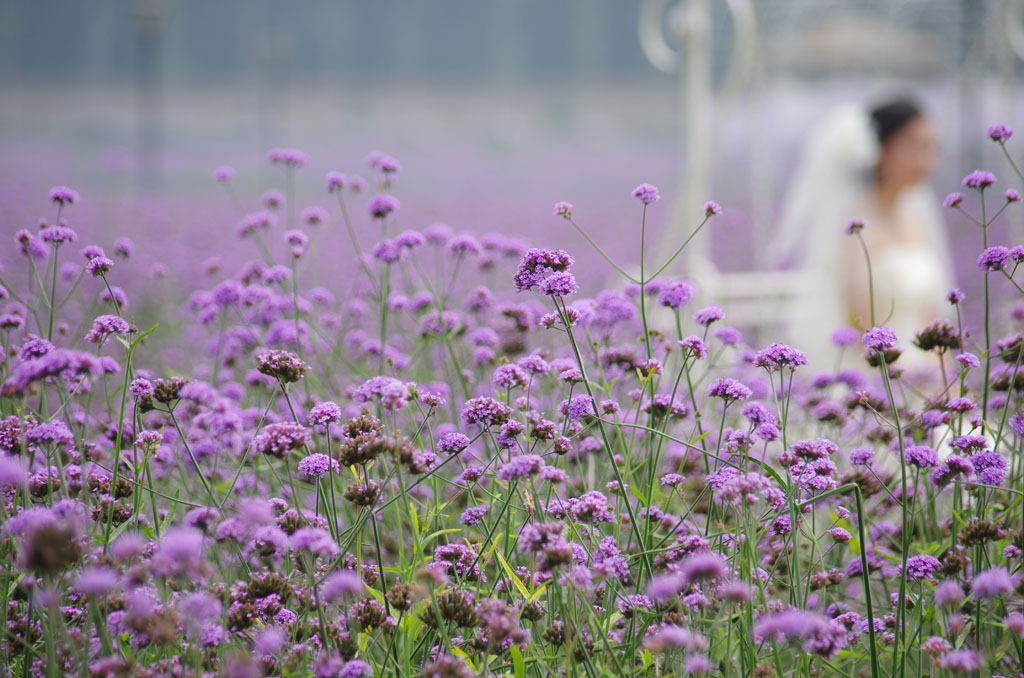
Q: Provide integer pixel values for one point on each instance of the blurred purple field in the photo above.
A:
(479, 161)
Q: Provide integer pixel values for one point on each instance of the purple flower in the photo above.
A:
(993, 258)
(949, 594)
(289, 157)
(97, 581)
(645, 193)
(224, 174)
(669, 636)
(1017, 423)
(845, 336)
(99, 266)
(695, 346)
(979, 180)
(963, 660)
(580, 406)
(356, 668)
(392, 393)
(341, 583)
(1011, 195)
(464, 244)
(703, 565)
(277, 440)
(63, 195)
(452, 442)
(509, 376)
(853, 226)
(317, 465)
(879, 339)
(708, 315)
(563, 209)
(955, 296)
(953, 200)
(324, 414)
(559, 284)
(538, 264)
(382, 205)
(711, 209)
(521, 467)
(661, 587)
(180, 553)
(105, 326)
(676, 293)
(728, 389)
(921, 567)
(474, 514)
(999, 133)
(775, 357)
(485, 412)
(819, 635)
(314, 540)
(991, 467)
(839, 534)
(335, 182)
(921, 456)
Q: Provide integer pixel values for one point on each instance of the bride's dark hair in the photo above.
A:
(890, 117)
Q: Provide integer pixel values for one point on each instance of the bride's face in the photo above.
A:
(909, 155)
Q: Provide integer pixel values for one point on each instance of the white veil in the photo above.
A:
(830, 183)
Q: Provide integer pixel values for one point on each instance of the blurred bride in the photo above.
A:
(871, 165)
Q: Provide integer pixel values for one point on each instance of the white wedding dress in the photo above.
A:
(912, 279)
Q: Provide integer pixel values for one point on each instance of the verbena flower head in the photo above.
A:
(964, 660)
(522, 466)
(99, 266)
(325, 414)
(954, 199)
(288, 157)
(282, 365)
(63, 195)
(775, 357)
(708, 315)
(318, 465)
(879, 339)
(815, 633)
(999, 133)
(979, 180)
(485, 412)
(277, 440)
(224, 174)
(854, 226)
(537, 265)
(676, 294)
(563, 209)
(921, 567)
(711, 209)
(105, 326)
(921, 456)
(393, 394)
(993, 258)
(559, 284)
(729, 389)
(645, 193)
(382, 205)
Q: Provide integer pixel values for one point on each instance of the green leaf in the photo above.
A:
(639, 495)
(143, 336)
(512, 575)
(437, 533)
(517, 661)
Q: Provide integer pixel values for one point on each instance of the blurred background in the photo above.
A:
(496, 109)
